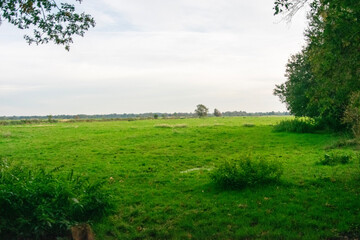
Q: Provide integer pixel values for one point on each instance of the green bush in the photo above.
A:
(246, 172)
(297, 125)
(41, 204)
(335, 158)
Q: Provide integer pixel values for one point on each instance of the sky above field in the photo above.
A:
(154, 56)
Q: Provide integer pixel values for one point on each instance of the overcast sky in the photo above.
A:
(154, 56)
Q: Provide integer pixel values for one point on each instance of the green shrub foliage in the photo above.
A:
(297, 125)
(335, 158)
(246, 172)
(41, 204)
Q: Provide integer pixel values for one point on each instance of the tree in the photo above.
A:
(352, 114)
(217, 113)
(51, 21)
(296, 92)
(321, 79)
(201, 110)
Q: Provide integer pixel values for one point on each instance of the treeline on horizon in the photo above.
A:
(141, 115)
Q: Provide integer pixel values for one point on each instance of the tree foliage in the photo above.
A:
(51, 21)
(352, 114)
(321, 79)
(288, 7)
(217, 113)
(296, 91)
(201, 110)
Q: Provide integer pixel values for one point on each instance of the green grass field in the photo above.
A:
(158, 171)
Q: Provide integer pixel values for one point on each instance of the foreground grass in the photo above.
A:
(159, 176)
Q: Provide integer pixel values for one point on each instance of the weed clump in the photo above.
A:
(246, 172)
(297, 125)
(40, 204)
(335, 158)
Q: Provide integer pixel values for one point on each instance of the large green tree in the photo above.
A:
(297, 91)
(51, 21)
(332, 59)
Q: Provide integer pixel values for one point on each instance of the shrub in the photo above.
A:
(246, 172)
(335, 158)
(42, 205)
(297, 125)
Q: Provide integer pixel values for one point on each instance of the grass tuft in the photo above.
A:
(6, 134)
(335, 158)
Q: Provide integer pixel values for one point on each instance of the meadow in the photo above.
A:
(158, 172)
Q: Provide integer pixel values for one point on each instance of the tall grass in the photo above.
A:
(39, 204)
(297, 125)
(246, 172)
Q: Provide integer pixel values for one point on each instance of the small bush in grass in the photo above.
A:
(40, 204)
(335, 158)
(246, 172)
(297, 125)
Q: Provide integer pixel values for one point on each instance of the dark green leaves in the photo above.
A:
(50, 21)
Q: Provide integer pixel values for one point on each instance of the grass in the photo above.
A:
(162, 185)
(297, 125)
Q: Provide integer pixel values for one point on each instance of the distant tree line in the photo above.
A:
(141, 115)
